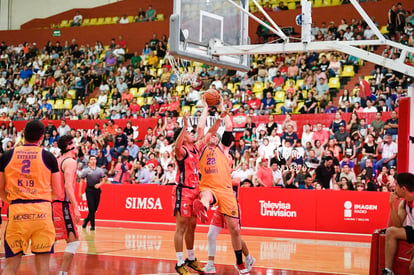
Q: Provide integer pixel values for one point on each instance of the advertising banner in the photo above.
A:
(278, 208)
(353, 212)
(261, 208)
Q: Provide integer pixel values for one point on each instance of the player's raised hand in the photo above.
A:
(186, 115)
(204, 102)
(221, 105)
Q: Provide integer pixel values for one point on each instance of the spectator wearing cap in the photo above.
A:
(264, 174)
(50, 127)
(325, 172)
(341, 134)
(120, 143)
(46, 108)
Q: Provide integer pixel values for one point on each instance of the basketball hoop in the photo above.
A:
(179, 67)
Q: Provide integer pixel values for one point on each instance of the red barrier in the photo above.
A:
(329, 211)
(239, 121)
(377, 259)
(403, 135)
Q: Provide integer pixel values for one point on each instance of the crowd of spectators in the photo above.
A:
(355, 154)
(142, 16)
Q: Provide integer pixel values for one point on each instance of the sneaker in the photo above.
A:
(200, 211)
(250, 262)
(195, 265)
(386, 271)
(242, 269)
(209, 269)
(182, 269)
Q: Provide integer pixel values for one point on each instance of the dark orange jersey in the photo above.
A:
(215, 169)
(27, 171)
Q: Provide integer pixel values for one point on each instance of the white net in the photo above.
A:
(180, 67)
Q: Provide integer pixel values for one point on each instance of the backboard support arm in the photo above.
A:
(349, 47)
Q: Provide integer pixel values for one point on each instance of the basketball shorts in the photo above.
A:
(410, 233)
(63, 219)
(29, 221)
(226, 201)
(182, 200)
(219, 220)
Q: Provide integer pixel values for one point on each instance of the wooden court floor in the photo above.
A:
(111, 250)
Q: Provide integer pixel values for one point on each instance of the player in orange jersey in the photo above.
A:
(217, 224)
(216, 188)
(65, 209)
(183, 195)
(28, 176)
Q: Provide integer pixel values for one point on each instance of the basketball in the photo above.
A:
(212, 97)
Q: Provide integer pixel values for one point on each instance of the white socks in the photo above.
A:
(180, 258)
(190, 253)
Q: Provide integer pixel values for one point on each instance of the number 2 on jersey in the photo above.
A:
(26, 166)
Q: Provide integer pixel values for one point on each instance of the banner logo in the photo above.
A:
(143, 203)
(276, 209)
(356, 211)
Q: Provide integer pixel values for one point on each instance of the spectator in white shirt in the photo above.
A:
(245, 174)
(78, 109)
(102, 99)
(307, 135)
(192, 97)
(121, 86)
(124, 19)
(63, 129)
(266, 149)
(217, 83)
(369, 108)
(389, 153)
(277, 175)
(77, 20)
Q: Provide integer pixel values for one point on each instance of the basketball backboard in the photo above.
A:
(196, 25)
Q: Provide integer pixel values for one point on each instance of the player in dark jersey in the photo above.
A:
(95, 177)
(65, 209)
(187, 157)
(28, 176)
